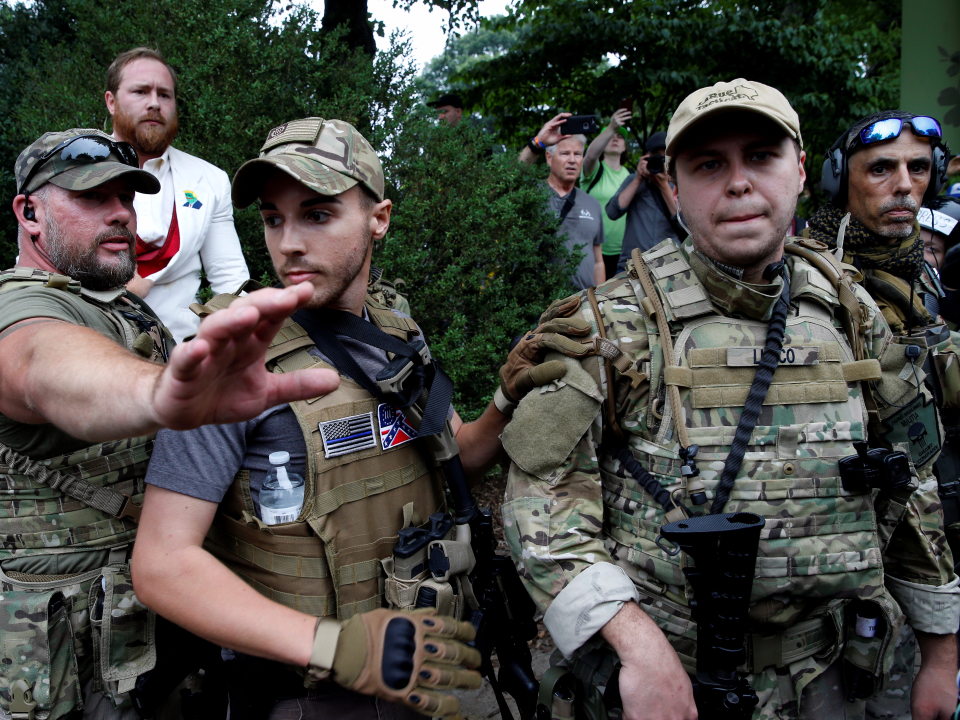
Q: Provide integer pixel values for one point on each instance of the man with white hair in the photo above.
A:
(581, 217)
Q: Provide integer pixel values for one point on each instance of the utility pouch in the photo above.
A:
(38, 665)
(947, 366)
(124, 635)
(867, 660)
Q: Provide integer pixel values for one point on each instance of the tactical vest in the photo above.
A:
(327, 562)
(62, 557)
(819, 541)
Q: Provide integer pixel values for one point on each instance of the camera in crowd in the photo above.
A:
(655, 164)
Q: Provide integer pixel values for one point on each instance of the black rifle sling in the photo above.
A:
(758, 393)
(323, 326)
(568, 205)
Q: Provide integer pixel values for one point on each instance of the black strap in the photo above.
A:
(568, 205)
(758, 393)
(647, 481)
(323, 326)
(596, 178)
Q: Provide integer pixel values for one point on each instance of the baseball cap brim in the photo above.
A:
(722, 109)
(86, 177)
(250, 179)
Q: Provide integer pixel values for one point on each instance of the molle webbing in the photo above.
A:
(683, 294)
(73, 485)
(369, 486)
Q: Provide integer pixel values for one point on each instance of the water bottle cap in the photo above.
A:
(279, 458)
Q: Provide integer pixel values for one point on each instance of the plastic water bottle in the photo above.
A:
(281, 496)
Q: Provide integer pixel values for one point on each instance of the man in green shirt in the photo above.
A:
(602, 175)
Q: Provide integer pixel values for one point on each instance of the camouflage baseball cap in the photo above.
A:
(737, 94)
(329, 156)
(61, 158)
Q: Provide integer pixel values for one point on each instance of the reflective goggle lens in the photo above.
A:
(891, 128)
(881, 130)
(926, 127)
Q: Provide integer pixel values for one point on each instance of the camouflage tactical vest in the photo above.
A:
(820, 541)
(327, 561)
(64, 562)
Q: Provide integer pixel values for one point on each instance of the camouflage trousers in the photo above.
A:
(894, 702)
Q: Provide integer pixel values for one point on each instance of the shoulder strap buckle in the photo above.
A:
(130, 509)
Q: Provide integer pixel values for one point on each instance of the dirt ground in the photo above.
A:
(481, 704)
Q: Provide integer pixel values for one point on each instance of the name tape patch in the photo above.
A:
(347, 435)
(394, 428)
(789, 355)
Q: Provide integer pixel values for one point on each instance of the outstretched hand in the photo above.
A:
(219, 376)
(620, 118)
(550, 132)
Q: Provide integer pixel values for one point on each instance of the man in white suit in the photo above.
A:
(189, 223)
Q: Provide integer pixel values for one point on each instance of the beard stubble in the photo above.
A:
(334, 286)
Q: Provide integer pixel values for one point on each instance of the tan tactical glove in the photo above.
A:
(523, 370)
(400, 656)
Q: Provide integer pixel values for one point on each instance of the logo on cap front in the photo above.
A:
(279, 130)
(740, 92)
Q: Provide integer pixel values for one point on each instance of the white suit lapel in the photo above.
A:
(191, 210)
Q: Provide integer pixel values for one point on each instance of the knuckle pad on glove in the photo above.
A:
(433, 704)
(565, 326)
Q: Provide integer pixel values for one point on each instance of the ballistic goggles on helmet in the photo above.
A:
(890, 129)
(82, 150)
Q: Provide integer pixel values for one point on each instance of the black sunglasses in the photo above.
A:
(84, 149)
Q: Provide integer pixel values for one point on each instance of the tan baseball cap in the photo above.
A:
(730, 96)
(329, 156)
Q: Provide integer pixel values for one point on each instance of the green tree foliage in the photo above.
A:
(583, 56)
(470, 233)
(461, 54)
(472, 236)
(244, 68)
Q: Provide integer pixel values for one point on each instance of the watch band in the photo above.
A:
(535, 147)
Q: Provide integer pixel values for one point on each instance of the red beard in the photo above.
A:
(146, 139)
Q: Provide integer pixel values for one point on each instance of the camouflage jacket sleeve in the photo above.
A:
(553, 510)
(917, 562)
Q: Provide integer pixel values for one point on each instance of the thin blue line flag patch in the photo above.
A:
(347, 435)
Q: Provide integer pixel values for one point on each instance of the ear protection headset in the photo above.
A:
(834, 177)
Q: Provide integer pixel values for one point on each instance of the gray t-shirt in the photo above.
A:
(647, 221)
(583, 226)
(202, 463)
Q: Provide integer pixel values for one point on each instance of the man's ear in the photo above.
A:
(803, 173)
(111, 101)
(26, 212)
(380, 219)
